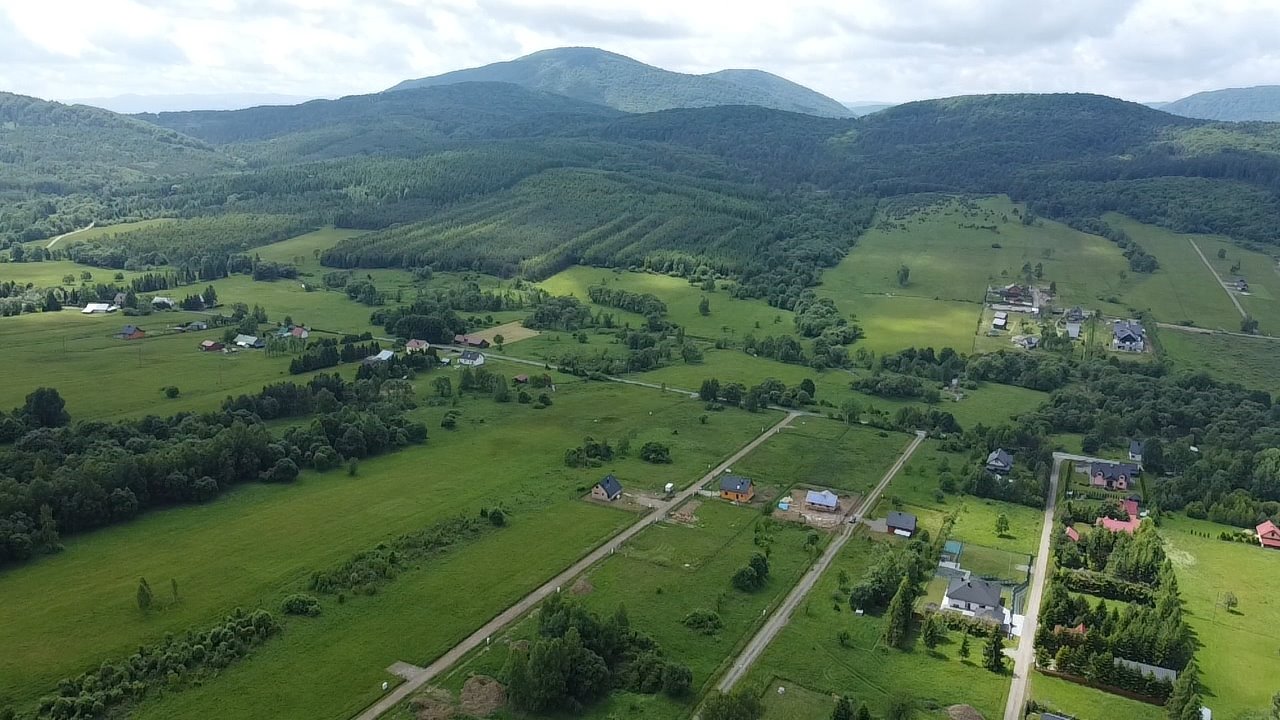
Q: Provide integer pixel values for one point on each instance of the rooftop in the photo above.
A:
(974, 590)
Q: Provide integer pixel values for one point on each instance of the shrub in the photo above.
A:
(301, 604)
(707, 622)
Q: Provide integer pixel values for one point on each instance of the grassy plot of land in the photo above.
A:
(51, 273)
(808, 651)
(825, 454)
(660, 576)
(333, 666)
(101, 376)
(1085, 703)
(795, 702)
(728, 317)
(1252, 362)
(1239, 654)
(261, 541)
(952, 262)
(97, 232)
(1182, 288)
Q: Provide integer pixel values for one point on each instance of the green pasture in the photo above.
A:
(729, 317)
(954, 263)
(660, 576)
(97, 232)
(333, 666)
(824, 454)
(1085, 703)
(796, 703)
(1182, 288)
(807, 650)
(51, 273)
(1252, 362)
(259, 542)
(1239, 654)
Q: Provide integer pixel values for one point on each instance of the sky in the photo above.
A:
(852, 50)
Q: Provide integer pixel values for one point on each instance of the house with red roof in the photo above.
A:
(1269, 535)
(1073, 534)
(1129, 526)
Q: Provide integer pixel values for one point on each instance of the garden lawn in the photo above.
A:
(259, 542)
(823, 454)
(1239, 655)
(1086, 703)
(797, 703)
(808, 651)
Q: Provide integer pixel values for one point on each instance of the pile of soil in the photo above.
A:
(964, 712)
(432, 704)
(482, 696)
(582, 587)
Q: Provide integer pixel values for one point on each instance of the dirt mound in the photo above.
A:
(432, 704)
(582, 587)
(482, 695)
(963, 712)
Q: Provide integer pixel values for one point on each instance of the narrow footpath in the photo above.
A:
(515, 612)
(1218, 279)
(782, 615)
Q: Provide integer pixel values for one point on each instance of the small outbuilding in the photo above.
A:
(160, 302)
(249, 341)
(99, 308)
(1136, 448)
(826, 501)
(608, 489)
(737, 488)
(521, 379)
(470, 341)
(951, 551)
(211, 346)
(902, 524)
(381, 357)
(1269, 535)
(132, 332)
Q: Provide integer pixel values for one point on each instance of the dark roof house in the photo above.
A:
(999, 461)
(608, 488)
(974, 591)
(1136, 447)
(901, 523)
(735, 484)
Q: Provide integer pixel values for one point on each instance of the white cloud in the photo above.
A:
(864, 49)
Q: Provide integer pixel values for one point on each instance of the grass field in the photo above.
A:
(729, 317)
(1085, 703)
(1239, 655)
(807, 652)
(823, 453)
(259, 542)
(660, 576)
(1252, 362)
(953, 263)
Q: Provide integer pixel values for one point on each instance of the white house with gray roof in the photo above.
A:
(977, 598)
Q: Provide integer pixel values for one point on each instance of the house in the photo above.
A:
(1129, 526)
(248, 341)
(471, 358)
(120, 299)
(825, 501)
(160, 302)
(521, 379)
(737, 488)
(1269, 535)
(446, 361)
(470, 341)
(1015, 293)
(1080, 629)
(132, 332)
(1128, 336)
(608, 489)
(976, 598)
(1073, 330)
(195, 326)
(1075, 315)
(299, 332)
(381, 357)
(901, 523)
(951, 552)
(1112, 476)
(1072, 534)
(417, 346)
(999, 462)
(1135, 450)
(1001, 320)
(1155, 671)
(1030, 342)
(99, 308)
(210, 346)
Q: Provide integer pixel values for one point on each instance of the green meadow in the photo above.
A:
(823, 454)
(260, 542)
(1085, 703)
(1239, 654)
(808, 653)
(1253, 362)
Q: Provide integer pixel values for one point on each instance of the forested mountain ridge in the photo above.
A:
(1261, 102)
(620, 82)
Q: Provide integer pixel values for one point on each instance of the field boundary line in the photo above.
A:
(515, 612)
(1218, 279)
(782, 615)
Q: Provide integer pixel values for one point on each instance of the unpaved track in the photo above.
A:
(1218, 279)
(515, 612)
(782, 615)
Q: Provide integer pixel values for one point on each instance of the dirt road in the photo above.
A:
(782, 615)
(66, 234)
(515, 612)
(1024, 658)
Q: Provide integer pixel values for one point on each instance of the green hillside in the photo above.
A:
(619, 82)
(1232, 104)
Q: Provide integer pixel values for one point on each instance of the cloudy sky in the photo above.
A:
(891, 50)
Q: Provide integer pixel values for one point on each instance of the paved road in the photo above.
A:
(1025, 657)
(782, 615)
(67, 234)
(1223, 285)
(515, 612)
